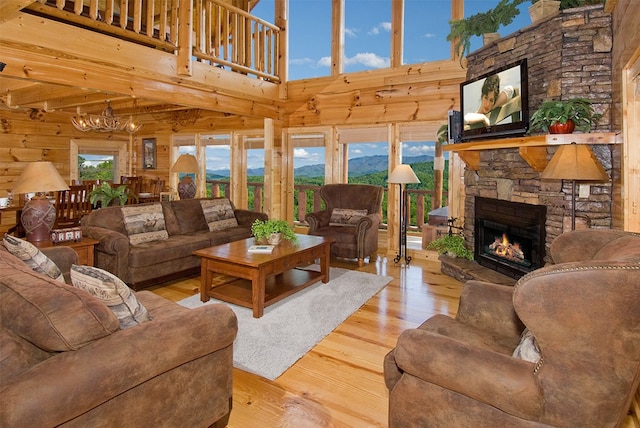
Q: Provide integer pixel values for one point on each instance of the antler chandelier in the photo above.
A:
(105, 122)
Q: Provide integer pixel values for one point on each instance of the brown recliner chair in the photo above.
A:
(351, 217)
(584, 313)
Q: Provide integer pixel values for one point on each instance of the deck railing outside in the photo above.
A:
(307, 199)
(223, 35)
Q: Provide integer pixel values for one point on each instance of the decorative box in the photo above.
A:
(68, 234)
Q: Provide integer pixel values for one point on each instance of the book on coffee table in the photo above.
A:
(264, 249)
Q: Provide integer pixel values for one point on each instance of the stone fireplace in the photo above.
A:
(569, 55)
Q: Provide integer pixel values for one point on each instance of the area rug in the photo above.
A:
(269, 345)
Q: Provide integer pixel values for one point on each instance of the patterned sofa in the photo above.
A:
(149, 243)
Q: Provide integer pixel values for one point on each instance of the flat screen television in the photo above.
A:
(496, 104)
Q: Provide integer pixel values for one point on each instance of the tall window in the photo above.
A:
(308, 172)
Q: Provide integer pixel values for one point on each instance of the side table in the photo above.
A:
(84, 248)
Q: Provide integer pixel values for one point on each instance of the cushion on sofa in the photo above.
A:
(346, 217)
(113, 292)
(218, 214)
(51, 315)
(189, 215)
(32, 257)
(527, 349)
(144, 223)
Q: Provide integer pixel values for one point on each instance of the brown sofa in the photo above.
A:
(65, 362)
(151, 262)
(355, 236)
(584, 313)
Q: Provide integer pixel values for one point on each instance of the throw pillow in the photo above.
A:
(527, 349)
(32, 257)
(219, 214)
(346, 217)
(113, 292)
(144, 223)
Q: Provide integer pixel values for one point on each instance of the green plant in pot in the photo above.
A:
(442, 136)
(482, 23)
(105, 195)
(264, 231)
(563, 117)
(452, 246)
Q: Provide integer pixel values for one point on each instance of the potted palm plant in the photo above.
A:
(105, 195)
(564, 116)
(482, 23)
(272, 231)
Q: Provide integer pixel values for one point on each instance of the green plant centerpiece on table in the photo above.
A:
(106, 195)
(263, 230)
(482, 23)
(452, 246)
(561, 117)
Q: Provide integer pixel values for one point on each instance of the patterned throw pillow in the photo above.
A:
(346, 217)
(527, 349)
(32, 257)
(114, 293)
(144, 223)
(219, 214)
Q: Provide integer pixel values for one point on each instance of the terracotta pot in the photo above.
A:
(562, 128)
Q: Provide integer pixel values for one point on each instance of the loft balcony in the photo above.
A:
(216, 33)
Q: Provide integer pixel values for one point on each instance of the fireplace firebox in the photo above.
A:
(509, 236)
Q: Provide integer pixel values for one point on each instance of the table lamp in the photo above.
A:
(574, 162)
(188, 164)
(403, 174)
(39, 214)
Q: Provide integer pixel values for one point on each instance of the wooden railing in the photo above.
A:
(224, 36)
(307, 199)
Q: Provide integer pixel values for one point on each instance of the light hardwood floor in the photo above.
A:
(339, 383)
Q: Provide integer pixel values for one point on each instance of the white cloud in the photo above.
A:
(429, 35)
(325, 61)
(383, 26)
(351, 32)
(368, 59)
(301, 61)
(301, 154)
(356, 151)
(421, 150)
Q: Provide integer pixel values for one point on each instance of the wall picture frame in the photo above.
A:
(148, 153)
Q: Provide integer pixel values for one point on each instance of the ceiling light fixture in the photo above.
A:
(105, 122)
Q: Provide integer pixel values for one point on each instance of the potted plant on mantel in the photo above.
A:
(481, 24)
(452, 246)
(272, 231)
(564, 116)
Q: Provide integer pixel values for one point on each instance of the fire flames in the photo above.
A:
(503, 248)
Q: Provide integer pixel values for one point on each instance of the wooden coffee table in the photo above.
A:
(262, 279)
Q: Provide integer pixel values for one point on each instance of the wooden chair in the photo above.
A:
(134, 186)
(71, 205)
(153, 188)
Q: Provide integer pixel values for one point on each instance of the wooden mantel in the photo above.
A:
(533, 149)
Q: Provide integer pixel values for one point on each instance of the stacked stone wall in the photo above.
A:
(568, 55)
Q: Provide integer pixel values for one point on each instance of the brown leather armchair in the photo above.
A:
(351, 216)
(584, 313)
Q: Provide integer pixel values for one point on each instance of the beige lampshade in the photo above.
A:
(185, 163)
(403, 174)
(39, 176)
(574, 162)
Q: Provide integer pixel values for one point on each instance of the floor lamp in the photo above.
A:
(188, 164)
(574, 162)
(402, 175)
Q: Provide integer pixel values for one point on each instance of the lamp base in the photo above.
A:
(187, 188)
(38, 217)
